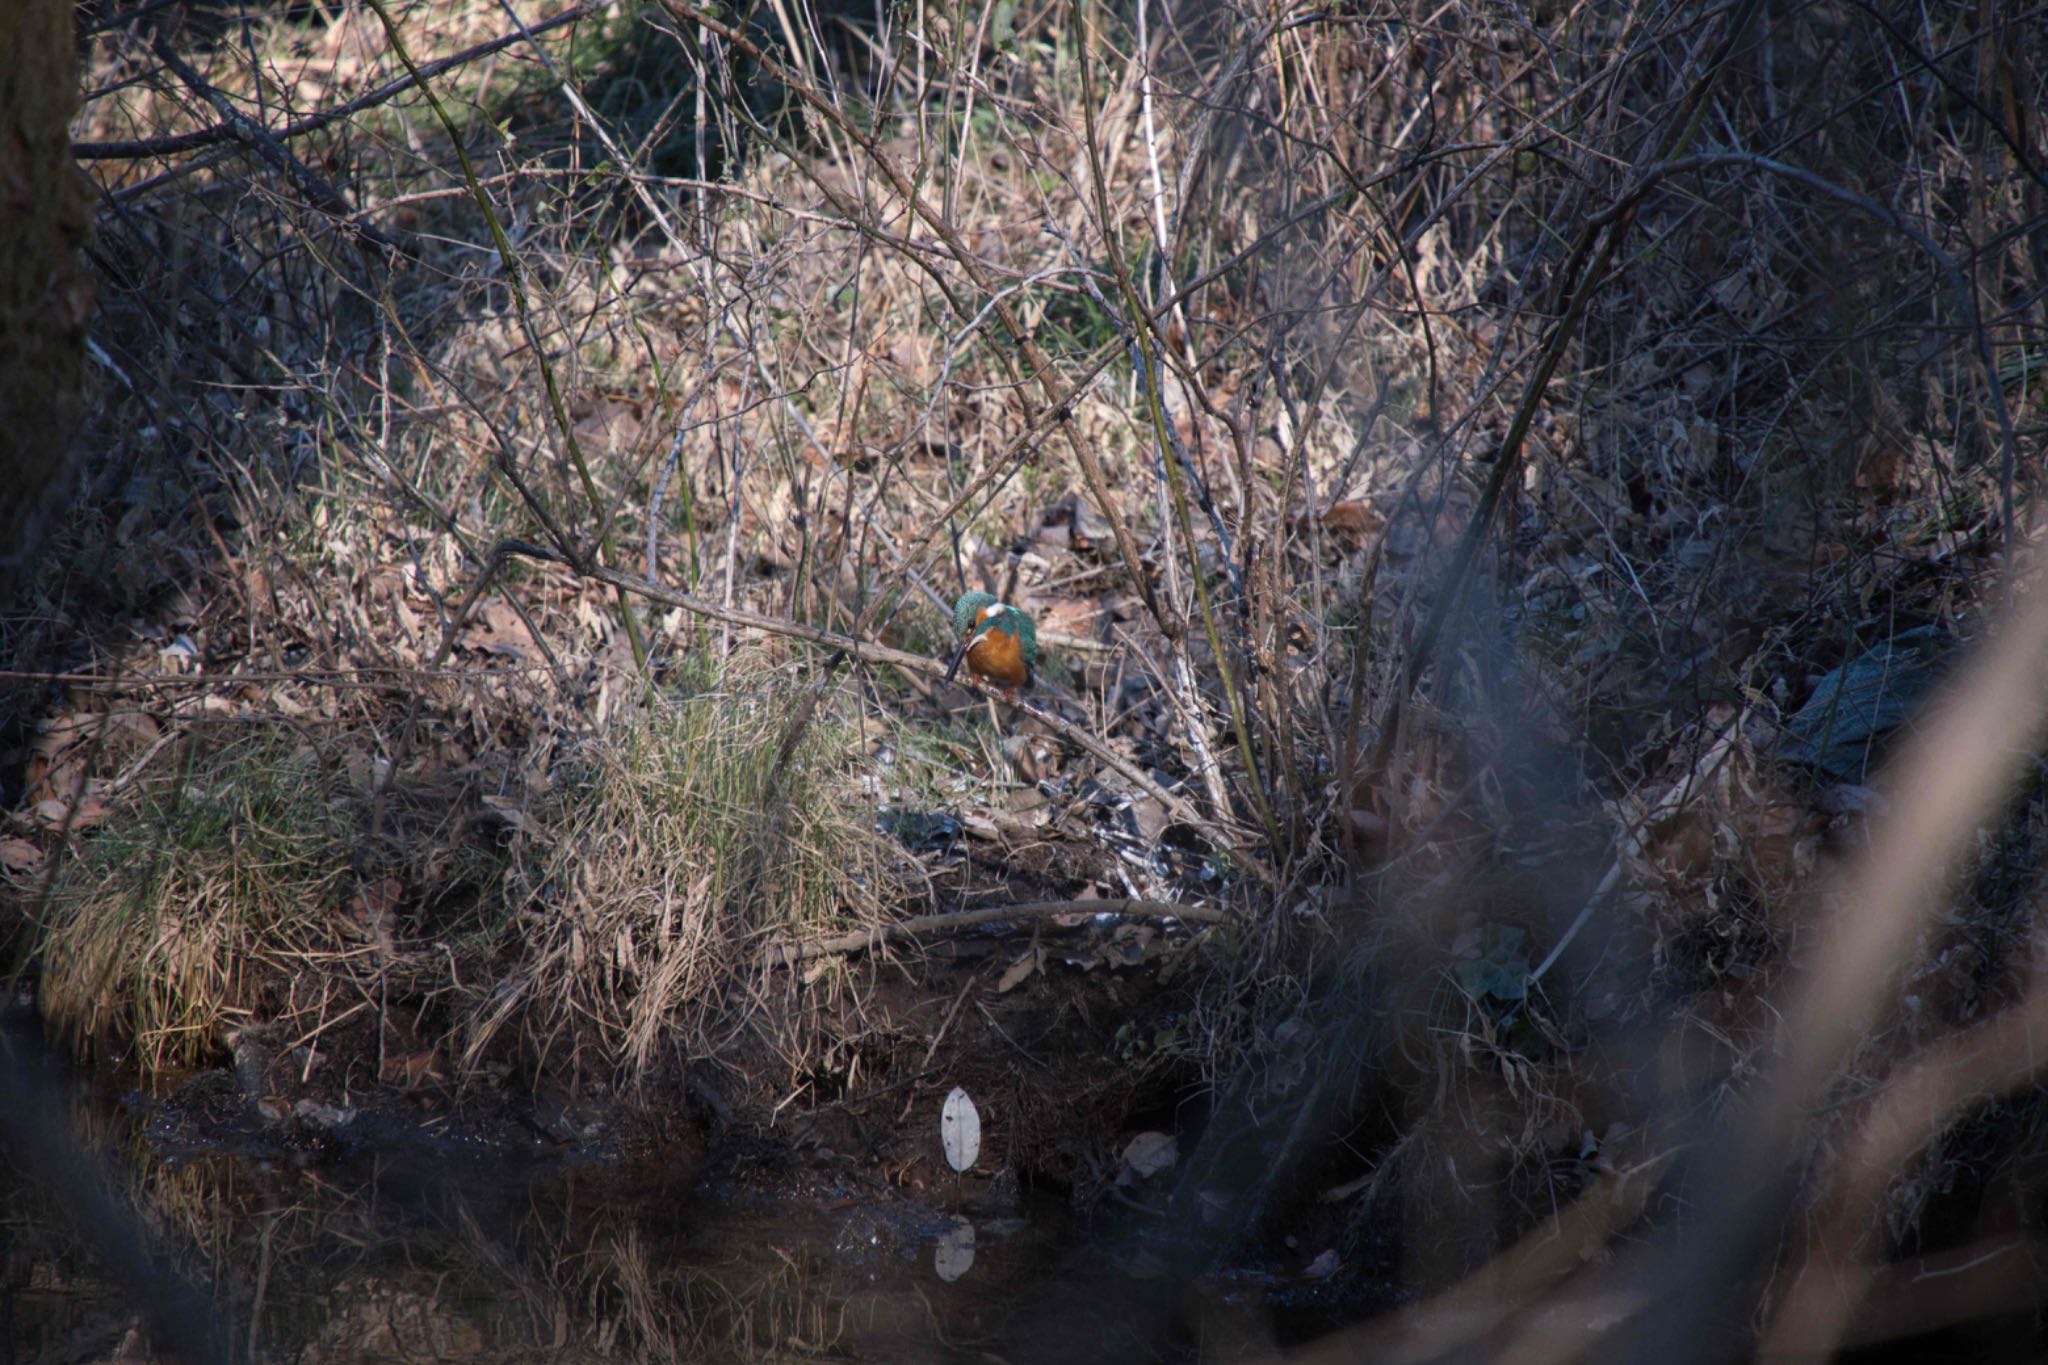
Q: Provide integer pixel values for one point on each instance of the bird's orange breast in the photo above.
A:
(999, 657)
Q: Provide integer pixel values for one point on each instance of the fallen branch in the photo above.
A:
(789, 954)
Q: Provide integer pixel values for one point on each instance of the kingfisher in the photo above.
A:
(998, 641)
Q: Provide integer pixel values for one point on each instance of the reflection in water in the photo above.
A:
(431, 1255)
(436, 1254)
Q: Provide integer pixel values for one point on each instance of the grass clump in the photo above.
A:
(689, 834)
(172, 919)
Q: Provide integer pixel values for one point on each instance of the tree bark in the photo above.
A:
(45, 289)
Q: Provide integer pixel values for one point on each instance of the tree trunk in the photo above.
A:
(45, 291)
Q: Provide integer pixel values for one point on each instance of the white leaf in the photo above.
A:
(960, 1130)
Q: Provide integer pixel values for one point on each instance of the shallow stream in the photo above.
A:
(112, 1214)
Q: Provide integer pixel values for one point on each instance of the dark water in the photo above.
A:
(117, 1230)
(419, 1256)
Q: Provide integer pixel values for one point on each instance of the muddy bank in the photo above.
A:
(1071, 1033)
(386, 1234)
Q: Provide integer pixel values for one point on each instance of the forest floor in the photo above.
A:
(490, 686)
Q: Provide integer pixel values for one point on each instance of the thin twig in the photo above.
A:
(140, 149)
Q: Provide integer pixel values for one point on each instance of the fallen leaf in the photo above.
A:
(19, 855)
(414, 1069)
(506, 809)
(1353, 518)
(1148, 1154)
(495, 628)
(140, 724)
(1020, 971)
(960, 1130)
(1150, 818)
(55, 781)
(53, 814)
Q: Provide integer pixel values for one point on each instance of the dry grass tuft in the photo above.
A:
(686, 836)
(220, 872)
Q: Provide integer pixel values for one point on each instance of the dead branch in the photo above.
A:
(789, 954)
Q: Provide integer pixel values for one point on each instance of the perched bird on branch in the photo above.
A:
(998, 641)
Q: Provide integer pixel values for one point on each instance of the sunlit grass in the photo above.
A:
(160, 931)
(688, 835)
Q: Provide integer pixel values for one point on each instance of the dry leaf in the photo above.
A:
(19, 855)
(1020, 971)
(1148, 1154)
(1353, 518)
(54, 814)
(495, 628)
(511, 812)
(414, 1069)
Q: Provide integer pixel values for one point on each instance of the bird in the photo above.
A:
(998, 641)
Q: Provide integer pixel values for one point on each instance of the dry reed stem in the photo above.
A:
(1955, 767)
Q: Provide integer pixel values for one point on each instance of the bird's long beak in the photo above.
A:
(960, 653)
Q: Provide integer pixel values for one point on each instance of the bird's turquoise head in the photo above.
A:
(967, 611)
(969, 620)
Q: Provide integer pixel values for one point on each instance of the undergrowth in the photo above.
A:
(1445, 457)
(221, 873)
(685, 837)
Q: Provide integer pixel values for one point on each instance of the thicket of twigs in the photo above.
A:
(1445, 450)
